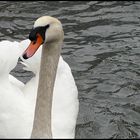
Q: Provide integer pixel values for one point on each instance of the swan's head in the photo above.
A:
(46, 29)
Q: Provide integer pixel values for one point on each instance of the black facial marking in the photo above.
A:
(25, 56)
(41, 30)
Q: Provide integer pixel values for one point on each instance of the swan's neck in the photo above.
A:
(49, 62)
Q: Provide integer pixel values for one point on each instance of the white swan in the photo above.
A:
(15, 110)
(65, 91)
(65, 95)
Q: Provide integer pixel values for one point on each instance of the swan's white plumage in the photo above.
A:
(16, 82)
(8, 50)
(15, 112)
(18, 100)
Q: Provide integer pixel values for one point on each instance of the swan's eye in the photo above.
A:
(41, 30)
(34, 42)
(47, 26)
(32, 35)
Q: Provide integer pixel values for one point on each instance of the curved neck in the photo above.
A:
(49, 61)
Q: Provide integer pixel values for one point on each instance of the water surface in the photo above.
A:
(102, 47)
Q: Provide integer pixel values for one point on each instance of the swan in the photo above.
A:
(56, 85)
(48, 104)
(15, 110)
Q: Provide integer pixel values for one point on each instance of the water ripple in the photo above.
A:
(101, 45)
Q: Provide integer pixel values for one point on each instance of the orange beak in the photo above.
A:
(32, 48)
